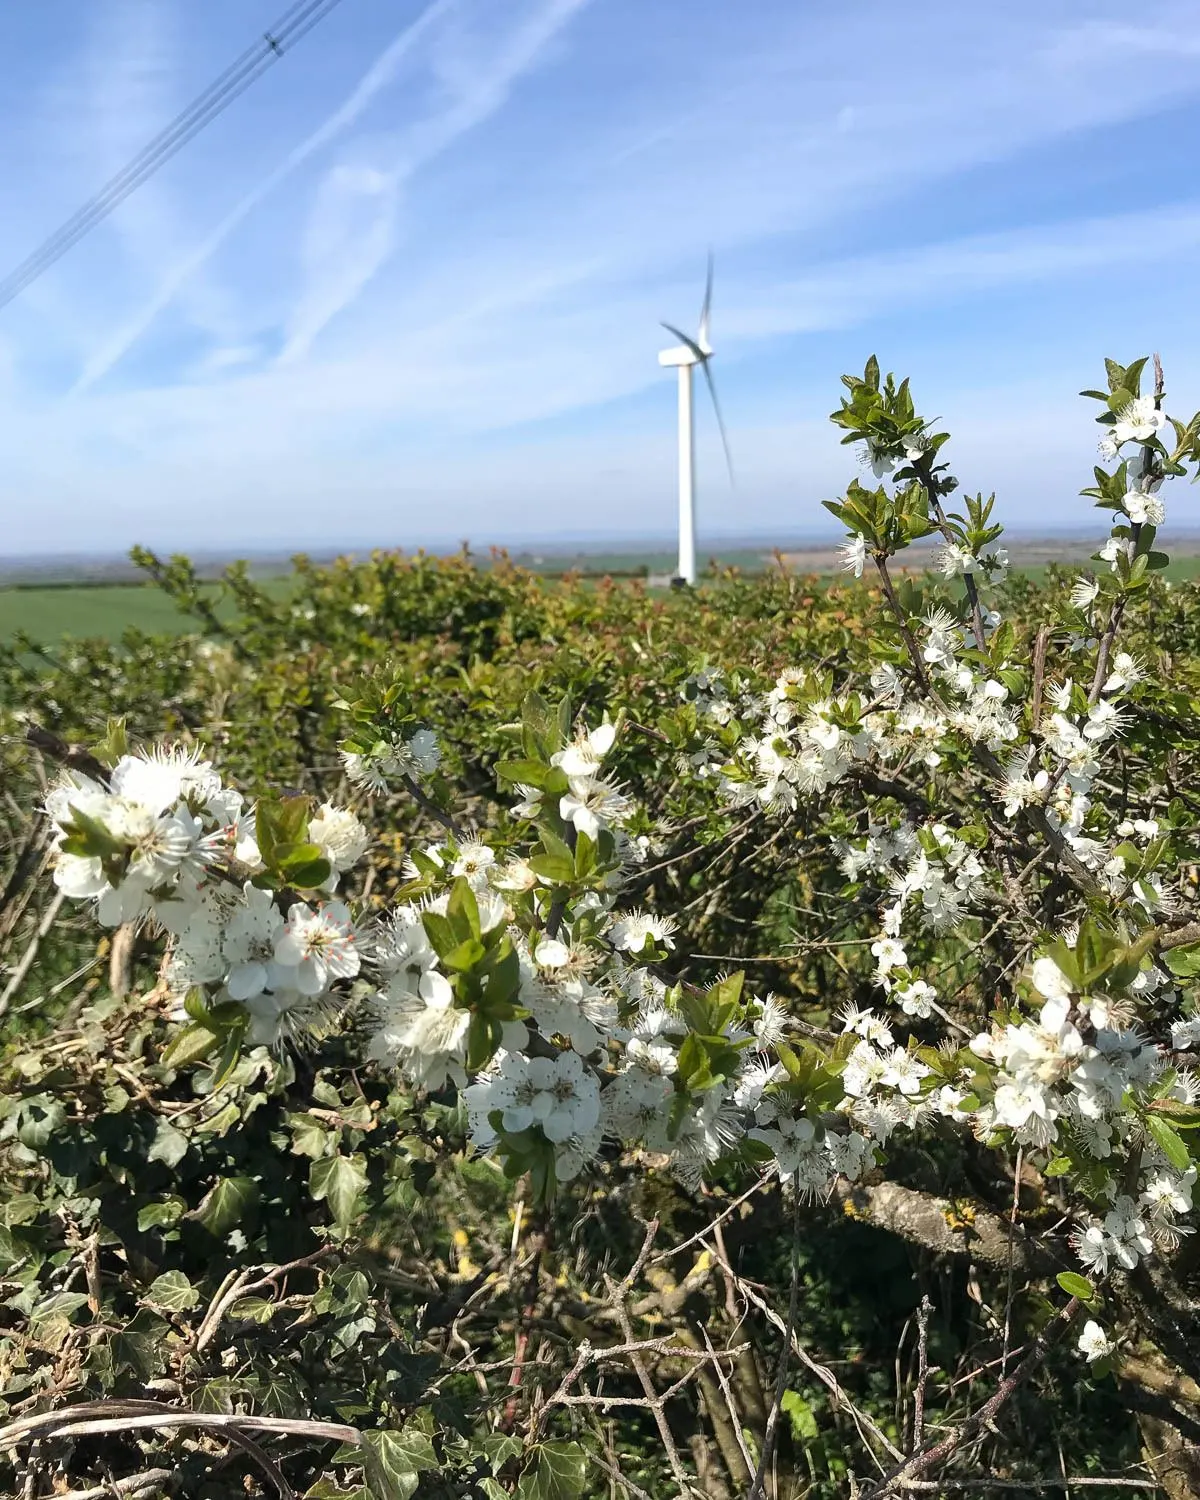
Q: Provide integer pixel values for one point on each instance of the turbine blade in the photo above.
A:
(684, 339)
(712, 391)
(706, 308)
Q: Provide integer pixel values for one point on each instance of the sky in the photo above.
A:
(407, 289)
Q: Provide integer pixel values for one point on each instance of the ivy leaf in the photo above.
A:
(217, 1395)
(394, 1461)
(557, 1473)
(155, 1215)
(253, 1310)
(56, 1305)
(227, 1204)
(173, 1291)
(169, 1145)
(39, 1118)
(340, 1182)
(309, 1136)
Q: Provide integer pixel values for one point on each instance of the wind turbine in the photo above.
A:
(684, 357)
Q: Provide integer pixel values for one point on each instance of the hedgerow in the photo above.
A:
(540, 1031)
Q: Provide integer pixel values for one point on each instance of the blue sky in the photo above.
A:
(407, 288)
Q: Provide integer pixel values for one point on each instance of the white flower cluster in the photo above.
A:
(591, 802)
(163, 817)
(417, 756)
(1055, 1089)
(797, 748)
(181, 849)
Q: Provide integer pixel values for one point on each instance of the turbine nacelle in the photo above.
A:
(688, 351)
(682, 354)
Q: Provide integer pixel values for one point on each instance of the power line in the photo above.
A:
(295, 23)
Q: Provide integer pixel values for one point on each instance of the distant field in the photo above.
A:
(47, 614)
(107, 610)
(1178, 570)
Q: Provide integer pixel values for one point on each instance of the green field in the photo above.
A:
(47, 614)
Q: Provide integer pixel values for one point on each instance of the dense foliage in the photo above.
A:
(528, 1011)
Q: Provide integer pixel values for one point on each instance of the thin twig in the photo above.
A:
(731, 1405)
(983, 1482)
(31, 952)
(1040, 646)
(427, 804)
(922, 1370)
(826, 1376)
(703, 1234)
(618, 1293)
(945, 1447)
(768, 1443)
(1012, 1239)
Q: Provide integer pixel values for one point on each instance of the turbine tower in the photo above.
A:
(684, 357)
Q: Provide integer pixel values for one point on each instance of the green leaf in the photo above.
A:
(309, 1136)
(531, 772)
(558, 1472)
(1075, 1285)
(194, 1043)
(169, 1145)
(57, 1305)
(305, 867)
(1168, 1142)
(173, 1291)
(227, 1204)
(483, 1037)
(114, 745)
(503, 969)
(393, 1462)
(280, 825)
(253, 1310)
(1184, 961)
(463, 910)
(728, 991)
(39, 1120)
(339, 1181)
(1182, 1116)
(557, 868)
(464, 957)
(541, 734)
(231, 1051)
(693, 1061)
(156, 1215)
(1057, 1166)
(217, 1395)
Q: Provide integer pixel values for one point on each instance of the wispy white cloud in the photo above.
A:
(848, 292)
(342, 257)
(351, 232)
(377, 77)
